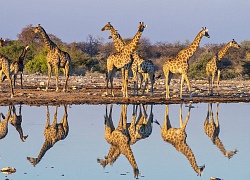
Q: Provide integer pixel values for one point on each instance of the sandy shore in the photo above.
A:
(89, 89)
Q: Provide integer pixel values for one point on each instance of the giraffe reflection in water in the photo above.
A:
(52, 133)
(125, 135)
(212, 130)
(4, 123)
(14, 119)
(177, 137)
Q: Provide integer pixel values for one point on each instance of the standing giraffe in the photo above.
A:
(123, 59)
(212, 130)
(177, 137)
(179, 63)
(18, 66)
(119, 140)
(5, 68)
(52, 133)
(16, 121)
(4, 124)
(215, 65)
(138, 66)
(56, 58)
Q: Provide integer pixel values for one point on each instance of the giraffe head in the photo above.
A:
(204, 32)
(107, 27)
(37, 29)
(141, 26)
(233, 43)
(27, 47)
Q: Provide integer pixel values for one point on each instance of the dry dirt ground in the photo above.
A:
(89, 89)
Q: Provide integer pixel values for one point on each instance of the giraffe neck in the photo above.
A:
(130, 47)
(119, 43)
(223, 51)
(220, 145)
(46, 146)
(130, 156)
(186, 150)
(21, 57)
(48, 43)
(190, 50)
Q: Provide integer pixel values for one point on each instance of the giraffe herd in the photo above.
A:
(125, 58)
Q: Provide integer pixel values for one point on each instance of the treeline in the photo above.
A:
(91, 55)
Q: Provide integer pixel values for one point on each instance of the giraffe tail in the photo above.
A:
(33, 161)
(200, 170)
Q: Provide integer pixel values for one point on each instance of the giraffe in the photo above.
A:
(52, 133)
(4, 124)
(119, 140)
(212, 130)
(16, 121)
(139, 65)
(179, 63)
(177, 137)
(18, 66)
(123, 59)
(5, 68)
(215, 65)
(55, 58)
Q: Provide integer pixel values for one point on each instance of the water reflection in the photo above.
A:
(126, 134)
(52, 133)
(16, 121)
(177, 137)
(212, 130)
(4, 124)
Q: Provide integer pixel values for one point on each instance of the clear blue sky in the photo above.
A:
(167, 20)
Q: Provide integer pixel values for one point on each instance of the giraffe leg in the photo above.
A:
(209, 84)
(167, 82)
(47, 118)
(145, 78)
(21, 78)
(57, 76)
(11, 86)
(125, 84)
(135, 80)
(112, 80)
(188, 84)
(66, 73)
(212, 84)
(218, 81)
(55, 117)
(182, 82)
(49, 76)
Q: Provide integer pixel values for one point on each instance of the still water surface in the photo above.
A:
(73, 153)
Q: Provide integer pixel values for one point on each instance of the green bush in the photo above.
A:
(37, 64)
(198, 68)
